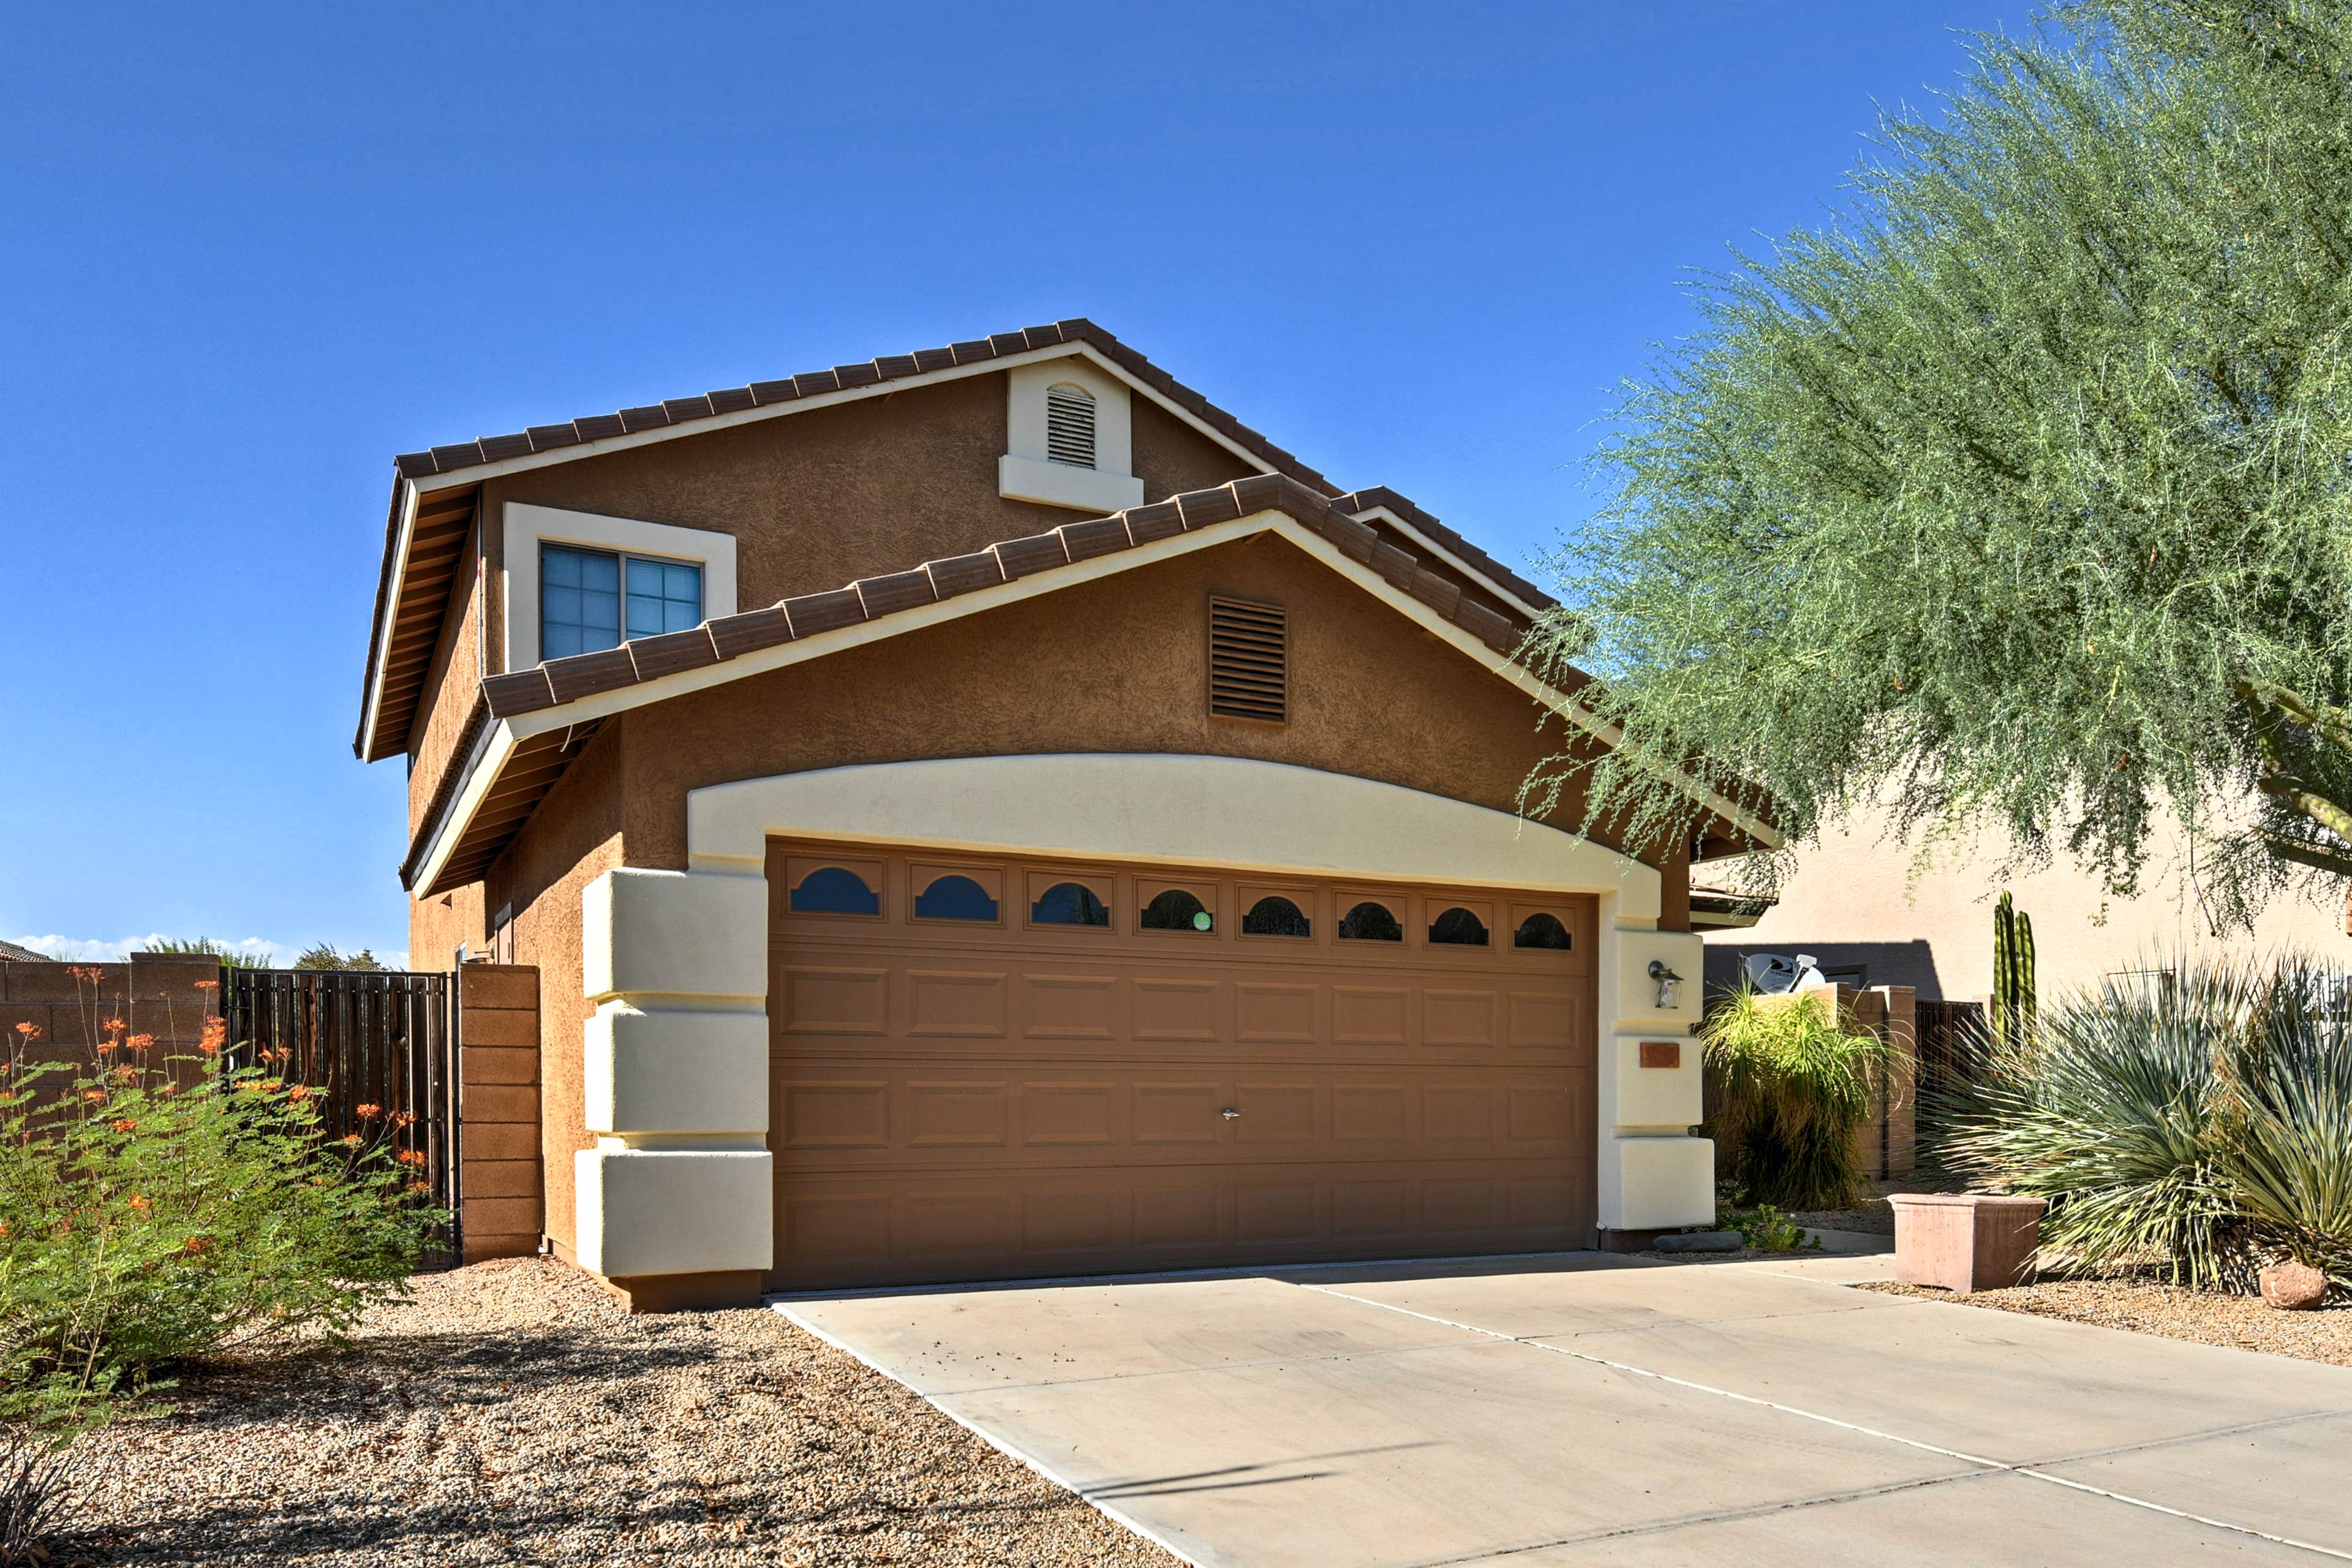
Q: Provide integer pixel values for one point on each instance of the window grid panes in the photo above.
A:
(582, 604)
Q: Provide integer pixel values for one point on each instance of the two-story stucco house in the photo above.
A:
(988, 813)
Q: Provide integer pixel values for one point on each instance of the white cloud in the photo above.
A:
(95, 950)
(92, 949)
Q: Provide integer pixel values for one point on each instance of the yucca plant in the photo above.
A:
(2195, 1119)
(1797, 1078)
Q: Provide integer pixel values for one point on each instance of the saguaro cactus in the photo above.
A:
(2012, 974)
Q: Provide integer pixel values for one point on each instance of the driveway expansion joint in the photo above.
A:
(1989, 1465)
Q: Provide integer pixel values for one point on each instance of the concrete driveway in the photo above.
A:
(1587, 1409)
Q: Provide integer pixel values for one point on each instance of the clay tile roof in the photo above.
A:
(1451, 543)
(11, 954)
(531, 769)
(401, 663)
(450, 459)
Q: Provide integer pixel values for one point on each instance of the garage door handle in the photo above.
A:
(1229, 1114)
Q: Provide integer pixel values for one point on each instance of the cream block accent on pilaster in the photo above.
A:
(1650, 1165)
(670, 1070)
(1656, 1184)
(673, 1211)
(674, 933)
(675, 1073)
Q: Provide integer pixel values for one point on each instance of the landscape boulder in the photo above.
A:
(2294, 1286)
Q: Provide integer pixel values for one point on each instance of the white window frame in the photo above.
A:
(526, 527)
(1026, 473)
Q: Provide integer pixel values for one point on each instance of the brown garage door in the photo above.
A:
(988, 1069)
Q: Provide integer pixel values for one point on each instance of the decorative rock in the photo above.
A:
(1702, 1241)
(2294, 1286)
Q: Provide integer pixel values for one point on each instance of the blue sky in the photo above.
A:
(248, 254)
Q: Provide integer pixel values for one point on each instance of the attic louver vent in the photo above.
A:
(1070, 424)
(1249, 661)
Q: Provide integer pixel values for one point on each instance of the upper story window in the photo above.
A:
(591, 599)
(1070, 424)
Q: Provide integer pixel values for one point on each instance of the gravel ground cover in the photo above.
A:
(511, 1413)
(2241, 1322)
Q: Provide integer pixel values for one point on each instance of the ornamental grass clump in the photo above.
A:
(154, 1214)
(2193, 1121)
(1796, 1078)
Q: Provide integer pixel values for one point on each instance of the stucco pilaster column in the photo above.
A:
(676, 1074)
(1654, 1174)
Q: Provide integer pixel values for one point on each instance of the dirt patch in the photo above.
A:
(2240, 1322)
(511, 1413)
(1874, 1218)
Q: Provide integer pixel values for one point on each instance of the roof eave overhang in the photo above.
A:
(408, 491)
(506, 737)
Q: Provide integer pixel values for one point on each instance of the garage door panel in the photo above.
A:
(1274, 1014)
(961, 1100)
(1185, 1215)
(1069, 1113)
(1371, 1113)
(819, 1000)
(1179, 1113)
(1277, 1212)
(953, 1004)
(835, 1114)
(959, 1115)
(1453, 1017)
(1178, 1010)
(1371, 1015)
(1065, 1007)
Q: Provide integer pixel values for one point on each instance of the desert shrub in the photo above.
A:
(150, 1217)
(2194, 1120)
(1762, 1226)
(1795, 1079)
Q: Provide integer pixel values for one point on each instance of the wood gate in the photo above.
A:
(380, 1047)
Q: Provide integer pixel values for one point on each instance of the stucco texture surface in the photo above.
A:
(573, 839)
(1116, 665)
(1857, 903)
(819, 499)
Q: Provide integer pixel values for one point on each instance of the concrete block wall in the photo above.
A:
(1890, 1137)
(498, 1181)
(166, 995)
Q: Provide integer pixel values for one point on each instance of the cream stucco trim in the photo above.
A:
(1058, 484)
(481, 771)
(604, 704)
(526, 527)
(1296, 533)
(1170, 808)
(1026, 473)
(409, 497)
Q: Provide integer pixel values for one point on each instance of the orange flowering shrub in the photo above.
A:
(146, 1222)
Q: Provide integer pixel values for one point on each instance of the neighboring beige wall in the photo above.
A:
(1853, 901)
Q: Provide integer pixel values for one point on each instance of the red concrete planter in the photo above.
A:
(1964, 1242)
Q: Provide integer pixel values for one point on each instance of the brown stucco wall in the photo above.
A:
(573, 839)
(450, 687)
(819, 499)
(1118, 664)
(436, 925)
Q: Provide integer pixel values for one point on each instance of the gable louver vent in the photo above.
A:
(1070, 424)
(1249, 661)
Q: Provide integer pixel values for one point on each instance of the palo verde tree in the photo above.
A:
(2020, 493)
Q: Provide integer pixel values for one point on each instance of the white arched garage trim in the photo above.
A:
(676, 960)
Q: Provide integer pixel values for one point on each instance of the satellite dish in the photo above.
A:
(1777, 973)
